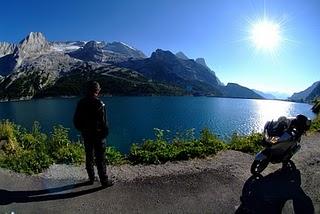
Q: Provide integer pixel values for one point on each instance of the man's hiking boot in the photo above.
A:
(91, 181)
(106, 183)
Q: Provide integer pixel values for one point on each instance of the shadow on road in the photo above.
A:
(270, 193)
(8, 197)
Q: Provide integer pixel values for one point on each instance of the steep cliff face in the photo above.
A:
(166, 67)
(35, 53)
(187, 69)
(91, 51)
(308, 94)
(6, 48)
(7, 59)
(32, 66)
(34, 45)
(181, 55)
(202, 62)
(315, 94)
(124, 49)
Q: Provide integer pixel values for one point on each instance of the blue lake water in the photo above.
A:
(132, 119)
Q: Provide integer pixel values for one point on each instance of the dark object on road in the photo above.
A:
(270, 193)
(56, 193)
(91, 120)
(281, 140)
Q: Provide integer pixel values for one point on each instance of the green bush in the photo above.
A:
(31, 152)
(7, 134)
(114, 157)
(183, 147)
(248, 144)
(62, 149)
(70, 154)
(59, 138)
(35, 140)
(315, 125)
(150, 152)
(316, 106)
(26, 161)
(211, 142)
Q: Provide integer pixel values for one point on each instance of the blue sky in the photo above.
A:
(217, 30)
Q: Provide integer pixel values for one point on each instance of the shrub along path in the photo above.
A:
(211, 185)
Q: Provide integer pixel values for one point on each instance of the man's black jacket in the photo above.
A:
(90, 117)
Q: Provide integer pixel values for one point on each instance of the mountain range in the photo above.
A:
(36, 67)
(265, 95)
(307, 95)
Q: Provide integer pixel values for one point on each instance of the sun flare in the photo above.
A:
(266, 35)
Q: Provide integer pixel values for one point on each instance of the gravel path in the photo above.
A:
(211, 185)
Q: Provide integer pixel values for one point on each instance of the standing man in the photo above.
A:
(90, 119)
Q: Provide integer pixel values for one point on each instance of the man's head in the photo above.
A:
(93, 88)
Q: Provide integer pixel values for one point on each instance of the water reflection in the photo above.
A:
(271, 110)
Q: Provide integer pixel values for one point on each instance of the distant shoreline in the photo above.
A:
(108, 95)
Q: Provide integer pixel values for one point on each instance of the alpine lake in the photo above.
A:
(133, 119)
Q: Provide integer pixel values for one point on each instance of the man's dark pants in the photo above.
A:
(95, 147)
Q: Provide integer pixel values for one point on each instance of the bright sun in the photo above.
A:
(266, 35)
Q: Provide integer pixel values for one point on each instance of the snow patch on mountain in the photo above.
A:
(128, 46)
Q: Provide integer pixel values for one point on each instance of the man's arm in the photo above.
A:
(103, 123)
(77, 120)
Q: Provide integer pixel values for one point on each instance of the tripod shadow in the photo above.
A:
(270, 193)
(8, 197)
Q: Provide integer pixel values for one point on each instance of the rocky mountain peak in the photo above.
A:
(162, 55)
(124, 49)
(91, 51)
(6, 48)
(34, 43)
(202, 61)
(231, 84)
(120, 44)
(33, 36)
(181, 55)
(94, 45)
